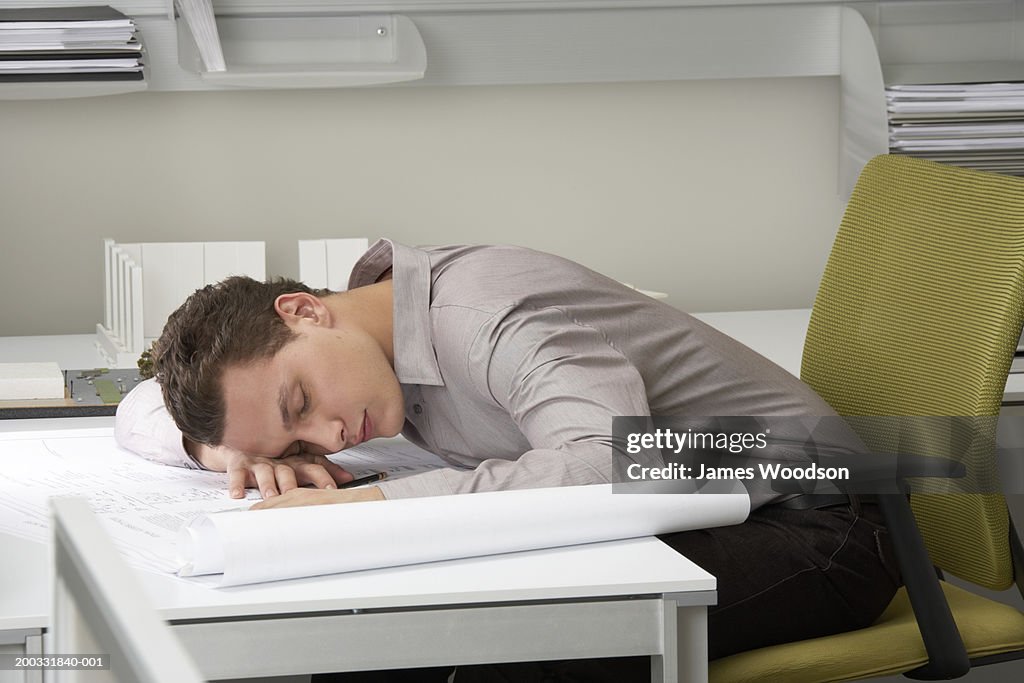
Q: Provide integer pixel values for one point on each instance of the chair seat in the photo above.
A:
(891, 645)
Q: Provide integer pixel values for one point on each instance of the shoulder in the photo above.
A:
(495, 278)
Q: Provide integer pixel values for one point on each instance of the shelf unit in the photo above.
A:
(956, 42)
(486, 42)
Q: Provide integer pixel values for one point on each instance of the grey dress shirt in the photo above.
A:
(513, 362)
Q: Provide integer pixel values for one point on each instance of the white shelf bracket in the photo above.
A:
(298, 52)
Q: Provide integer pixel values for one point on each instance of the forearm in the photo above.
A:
(578, 465)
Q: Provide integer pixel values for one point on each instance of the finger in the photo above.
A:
(285, 477)
(265, 480)
(294, 448)
(316, 475)
(237, 474)
(338, 473)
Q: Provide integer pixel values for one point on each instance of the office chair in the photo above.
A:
(918, 314)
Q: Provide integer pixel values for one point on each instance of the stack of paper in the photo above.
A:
(68, 44)
(141, 504)
(976, 125)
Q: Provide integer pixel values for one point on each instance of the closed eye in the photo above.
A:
(305, 402)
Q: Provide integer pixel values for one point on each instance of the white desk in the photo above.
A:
(779, 336)
(635, 597)
(606, 599)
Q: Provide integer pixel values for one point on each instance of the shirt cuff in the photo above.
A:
(174, 442)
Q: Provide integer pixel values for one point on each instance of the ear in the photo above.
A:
(296, 307)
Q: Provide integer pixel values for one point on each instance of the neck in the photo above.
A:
(370, 309)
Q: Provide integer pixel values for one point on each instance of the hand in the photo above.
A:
(270, 475)
(297, 497)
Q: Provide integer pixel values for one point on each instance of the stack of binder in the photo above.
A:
(68, 44)
(976, 125)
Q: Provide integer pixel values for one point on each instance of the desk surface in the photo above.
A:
(618, 568)
(70, 352)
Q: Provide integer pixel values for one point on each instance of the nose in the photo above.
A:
(328, 434)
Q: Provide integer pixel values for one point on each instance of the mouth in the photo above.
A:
(363, 429)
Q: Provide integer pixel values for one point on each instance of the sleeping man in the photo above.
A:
(512, 362)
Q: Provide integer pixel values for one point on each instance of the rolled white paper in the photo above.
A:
(268, 545)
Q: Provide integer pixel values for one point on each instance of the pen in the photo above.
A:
(368, 479)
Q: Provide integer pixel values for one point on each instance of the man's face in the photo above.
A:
(328, 389)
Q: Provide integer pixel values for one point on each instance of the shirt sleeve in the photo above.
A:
(561, 383)
(144, 427)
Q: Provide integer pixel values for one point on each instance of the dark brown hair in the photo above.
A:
(230, 323)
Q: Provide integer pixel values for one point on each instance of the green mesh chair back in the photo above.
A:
(918, 314)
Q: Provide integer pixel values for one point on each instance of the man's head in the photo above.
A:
(266, 367)
(230, 323)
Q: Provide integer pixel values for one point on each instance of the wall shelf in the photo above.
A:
(69, 89)
(955, 72)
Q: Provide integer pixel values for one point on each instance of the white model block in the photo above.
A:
(313, 263)
(146, 282)
(328, 263)
(341, 257)
(26, 381)
(170, 273)
(137, 320)
(223, 259)
(108, 288)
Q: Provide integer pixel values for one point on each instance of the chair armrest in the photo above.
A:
(867, 471)
(873, 468)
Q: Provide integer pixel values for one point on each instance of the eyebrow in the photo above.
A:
(282, 404)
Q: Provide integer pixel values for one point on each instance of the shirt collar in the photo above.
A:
(415, 360)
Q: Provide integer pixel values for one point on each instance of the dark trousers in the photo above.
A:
(783, 575)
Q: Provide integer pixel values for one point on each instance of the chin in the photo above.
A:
(393, 431)
(386, 428)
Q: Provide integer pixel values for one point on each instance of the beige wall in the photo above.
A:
(722, 193)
